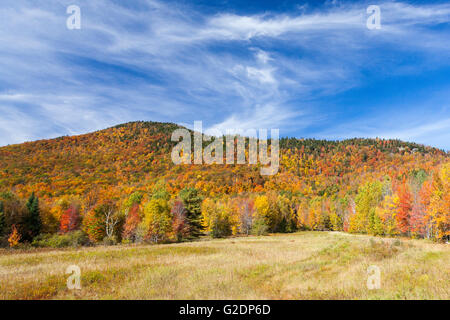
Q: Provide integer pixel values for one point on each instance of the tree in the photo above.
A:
(14, 211)
(157, 220)
(134, 199)
(247, 211)
(425, 197)
(132, 221)
(159, 191)
(404, 208)
(259, 226)
(32, 221)
(111, 217)
(387, 211)
(14, 237)
(368, 197)
(439, 209)
(262, 209)
(375, 226)
(192, 203)
(417, 222)
(70, 219)
(133, 216)
(94, 224)
(287, 213)
(314, 213)
(216, 218)
(180, 224)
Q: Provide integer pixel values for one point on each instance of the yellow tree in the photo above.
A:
(157, 220)
(387, 212)
(369, 195)
(439, 208)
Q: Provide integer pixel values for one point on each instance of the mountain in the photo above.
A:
(137, 154)
(121, 184)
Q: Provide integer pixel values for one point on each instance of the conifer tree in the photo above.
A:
(192, 203)
(32, 220)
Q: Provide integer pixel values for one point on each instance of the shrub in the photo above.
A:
(110, 241)
(259, 227)
(220, 227)
(126, 241)
(70, 239)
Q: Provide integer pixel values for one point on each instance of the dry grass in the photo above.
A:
(306, 265)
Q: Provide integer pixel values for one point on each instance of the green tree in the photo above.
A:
(192, 203)
(134, 199)
(288, 215)
(32, 220)
(159, 191)
(259, 226)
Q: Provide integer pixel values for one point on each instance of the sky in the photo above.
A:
(308, 68)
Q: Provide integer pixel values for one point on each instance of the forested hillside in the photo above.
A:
(120, 184)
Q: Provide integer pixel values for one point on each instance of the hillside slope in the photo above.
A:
(360, 185)
(138, 153)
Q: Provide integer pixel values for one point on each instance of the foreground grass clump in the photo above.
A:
(306, 265)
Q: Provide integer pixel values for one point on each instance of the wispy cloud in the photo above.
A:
(166, 62)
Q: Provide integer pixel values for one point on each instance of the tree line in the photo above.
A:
(415, 206)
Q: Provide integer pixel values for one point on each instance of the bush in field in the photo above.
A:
(259, 227)
(110, 241)
(69, 239)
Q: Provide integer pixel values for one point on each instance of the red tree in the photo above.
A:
(131, 223)
(70, 219)
(404, 208)
(180, 225)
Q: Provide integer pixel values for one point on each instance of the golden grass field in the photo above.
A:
(305, 265)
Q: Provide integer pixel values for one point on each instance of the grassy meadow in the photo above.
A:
(304, 265)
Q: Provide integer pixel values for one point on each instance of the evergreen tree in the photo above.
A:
(32, 219)
(192, 203)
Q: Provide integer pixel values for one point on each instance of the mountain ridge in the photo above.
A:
(128, 153)
(175, 126)
(318, 180)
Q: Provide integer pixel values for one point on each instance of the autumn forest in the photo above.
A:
(119, 185)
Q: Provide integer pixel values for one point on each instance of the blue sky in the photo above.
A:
(309, 68)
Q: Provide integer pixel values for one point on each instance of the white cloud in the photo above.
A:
(175, 64)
